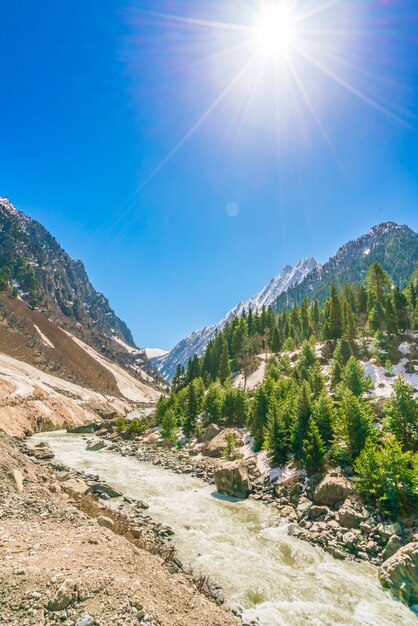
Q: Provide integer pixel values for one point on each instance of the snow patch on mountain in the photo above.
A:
(199, 339)
(154, 353)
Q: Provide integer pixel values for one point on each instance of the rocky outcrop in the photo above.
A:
(332, 489)
(400, 574)
(232, 478)
(210, 432)
(217, 444)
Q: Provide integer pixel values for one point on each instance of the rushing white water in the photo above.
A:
(279, 579)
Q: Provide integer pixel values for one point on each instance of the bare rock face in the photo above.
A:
(332, 489)
(217, 444)
(400, 574)
(232, 478)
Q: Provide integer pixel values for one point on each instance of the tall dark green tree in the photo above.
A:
(224, 368)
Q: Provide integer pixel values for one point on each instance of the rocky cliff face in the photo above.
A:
(37, 271)
(35, 265)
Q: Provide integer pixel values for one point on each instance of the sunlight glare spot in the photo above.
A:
(275, 31)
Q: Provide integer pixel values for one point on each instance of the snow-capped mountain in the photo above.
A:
(394, 246)
(199, 339)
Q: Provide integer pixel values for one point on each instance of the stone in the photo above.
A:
(66, 595)
(95, 447)
(75, 487)
(393, 545)
(43, 452)
(332, 489)
(36, 595)
(349, 518)
(17, 479)
(365, 527)
(99, 488)
(232, 478)
(106, 522)
(83, 429)
(400, 573)
(215, 447)
(387, 530)
(210, 432)
(287, 511)
(317, 511)
(86, 620)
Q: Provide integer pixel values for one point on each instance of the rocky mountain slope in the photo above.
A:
(395, 247)
(199, 339)
(35, 267)
(44, 294)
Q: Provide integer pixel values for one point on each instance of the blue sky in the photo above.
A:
(96, 95)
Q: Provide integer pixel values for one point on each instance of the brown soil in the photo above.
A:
(45, 540)
(20, 339)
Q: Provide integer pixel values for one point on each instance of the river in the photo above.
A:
(279, 579)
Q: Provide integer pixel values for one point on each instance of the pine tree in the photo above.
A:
(335, 314)
(179, 379)
(191, 415)
(212, 404)
(378, 282)
(224, 368)
(303, 413)
(356, 422)
(275, 340)
(353, 378)
(400, 306)
(324, 416)
(169, 426)
(313, 449)
(276, 440)
(402, 414)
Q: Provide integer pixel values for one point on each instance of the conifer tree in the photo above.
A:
(224, 367)
(276, 437)
(353, 378)
(335, 314)
(313, 449)
(356, 422)
(324, 416)
(303, 413)
(275, 340)
(402, 414)
(192, 410)
(169, 426)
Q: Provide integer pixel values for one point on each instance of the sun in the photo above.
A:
(275, 30)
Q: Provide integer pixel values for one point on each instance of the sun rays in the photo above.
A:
(289, 53)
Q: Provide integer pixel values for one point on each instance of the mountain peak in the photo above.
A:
(197, 341)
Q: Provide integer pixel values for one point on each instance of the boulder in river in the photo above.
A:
(84, 429)
(100, 488)
(400, 573)
(232, 478)
(332, 489)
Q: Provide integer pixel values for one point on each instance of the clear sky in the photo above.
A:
(185, 156)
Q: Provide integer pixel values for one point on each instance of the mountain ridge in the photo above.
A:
(393, 245)
(36, 270)
(196, 342)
